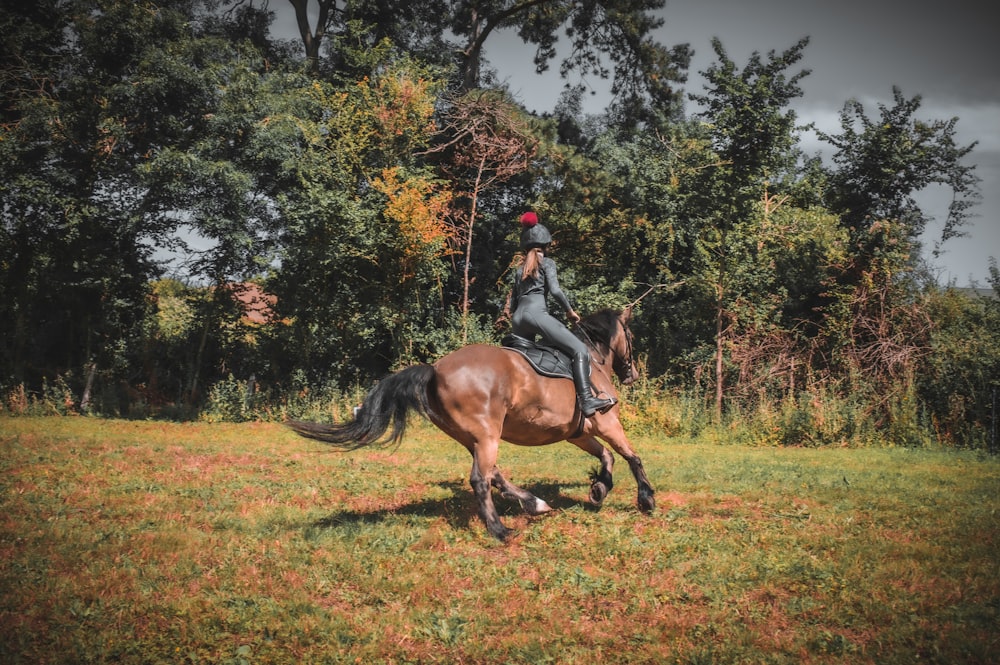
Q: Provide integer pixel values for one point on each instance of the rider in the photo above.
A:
(533, 281)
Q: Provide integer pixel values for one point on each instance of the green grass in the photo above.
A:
(145, 542)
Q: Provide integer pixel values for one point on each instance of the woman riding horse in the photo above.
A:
(533, 282)
(483, 394)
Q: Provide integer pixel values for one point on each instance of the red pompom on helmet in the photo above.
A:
(533, 234)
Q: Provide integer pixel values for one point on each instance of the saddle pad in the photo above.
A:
(546, 360)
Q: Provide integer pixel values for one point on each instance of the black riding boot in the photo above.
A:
(589, 403)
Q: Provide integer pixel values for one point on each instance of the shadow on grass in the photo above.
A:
(458, 510)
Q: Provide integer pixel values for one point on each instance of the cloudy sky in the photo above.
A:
(948, 53)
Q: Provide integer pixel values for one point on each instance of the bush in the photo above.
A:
(236, 400)
(55, 398)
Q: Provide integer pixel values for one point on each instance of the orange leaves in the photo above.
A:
(395, 109)
(419, 206)
(405, 105)
(389, 116)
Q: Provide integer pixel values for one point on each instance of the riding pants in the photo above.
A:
(532, 318)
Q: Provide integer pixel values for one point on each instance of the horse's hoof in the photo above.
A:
(501, 533)
(536, 507)
(508, 536)
(598, 492)
(646, 503)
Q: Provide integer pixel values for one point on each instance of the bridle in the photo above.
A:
(630, 355)
(621, 365)
(630, 360)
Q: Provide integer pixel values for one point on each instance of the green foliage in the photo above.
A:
(883, 162)
(54, 398)
(81, 215)
(237, 400)
(234, 401)
(785, 294)
(651, 407)
(752, 129)
(959, 380)
(729, 248)
(349, 280)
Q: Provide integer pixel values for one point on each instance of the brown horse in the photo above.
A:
(481, 394)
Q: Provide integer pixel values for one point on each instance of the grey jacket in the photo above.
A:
(544, 283)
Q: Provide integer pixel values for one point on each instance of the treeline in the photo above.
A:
(345, 203)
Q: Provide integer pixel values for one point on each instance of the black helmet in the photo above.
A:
(533, 234)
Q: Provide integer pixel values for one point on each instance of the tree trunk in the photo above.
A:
(85, 400)
(468, 250)
(312, 41)
(719, 316)
(195, 370)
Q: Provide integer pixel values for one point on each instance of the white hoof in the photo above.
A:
(539, 508)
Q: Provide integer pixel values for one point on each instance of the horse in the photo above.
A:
(481, 394)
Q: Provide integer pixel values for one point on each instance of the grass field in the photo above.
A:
(148, 542)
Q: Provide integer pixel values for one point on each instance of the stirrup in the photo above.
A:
(592, 404)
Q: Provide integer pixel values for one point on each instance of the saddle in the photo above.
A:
(545, 359)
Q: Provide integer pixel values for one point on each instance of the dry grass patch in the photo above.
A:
(152, 542)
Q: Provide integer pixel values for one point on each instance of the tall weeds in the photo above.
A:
(821, 414)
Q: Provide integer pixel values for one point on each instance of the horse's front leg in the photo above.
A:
(530, 503)
(600, 481)
(645, 499)
(615, 436)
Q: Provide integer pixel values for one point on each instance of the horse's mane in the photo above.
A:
(601, 325)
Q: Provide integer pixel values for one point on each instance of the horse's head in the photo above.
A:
(624, 351)
(611, 329)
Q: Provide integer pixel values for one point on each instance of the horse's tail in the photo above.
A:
(388, 402)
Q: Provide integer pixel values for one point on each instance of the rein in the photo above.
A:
(630, 360)
(617, 357)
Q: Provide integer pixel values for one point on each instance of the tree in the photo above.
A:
(751, 131)
(959, 380)
(142, 129)
(484, 141)
(223, 180)
(607, 39)
(876, 330)
(349, 29)
(79, 238)
(611, 194)
(312, 35)
(882, 163)
(599, 33)
(362, 245)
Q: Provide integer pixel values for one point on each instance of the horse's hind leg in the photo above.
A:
(530, 503)
(600, 481)
(482, 480)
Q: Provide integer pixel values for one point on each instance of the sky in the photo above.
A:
(948, 53)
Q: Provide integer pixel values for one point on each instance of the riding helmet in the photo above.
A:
(533, 234)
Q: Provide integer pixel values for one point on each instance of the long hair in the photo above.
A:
(532, 262)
